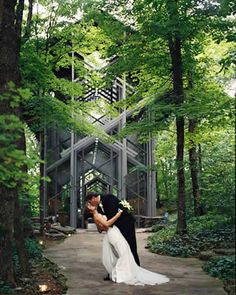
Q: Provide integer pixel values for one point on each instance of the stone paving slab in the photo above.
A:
(79, 258)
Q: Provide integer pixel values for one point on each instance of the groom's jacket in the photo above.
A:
(125, 223)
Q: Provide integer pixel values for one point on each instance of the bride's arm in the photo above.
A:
(107, 223)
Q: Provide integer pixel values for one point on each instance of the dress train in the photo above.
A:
(120, 264)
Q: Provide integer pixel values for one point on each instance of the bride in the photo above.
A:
(117, 257)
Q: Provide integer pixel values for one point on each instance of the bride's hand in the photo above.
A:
(119, 212)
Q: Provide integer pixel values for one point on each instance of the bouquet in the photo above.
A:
(124, 205)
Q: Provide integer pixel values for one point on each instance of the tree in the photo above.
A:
(34, 105)
(166, 36)
(174, 41)
(12, 145)
(175, 48)
(49, 57)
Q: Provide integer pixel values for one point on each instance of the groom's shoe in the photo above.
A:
(107, 278)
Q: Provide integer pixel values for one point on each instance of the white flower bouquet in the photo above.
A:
(124, 205)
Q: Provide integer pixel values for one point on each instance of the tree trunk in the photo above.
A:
(42, 187)
(21, 145)
(174, 43)
(19, 239)
(10, 31)
(181, 225)
(193, 160)
(6, 235)
(9, 72)
(200, 158)
(158, 202)
(200, 176)
(29, 20)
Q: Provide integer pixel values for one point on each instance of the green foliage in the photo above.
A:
(165, 234)
(152, 27)
(36, 73)
(54, 96)
(5, 289)
(209, 221)
(34, 248)
(12, 158)
(138, 35)
(205, 232)
(190, 244)
(218, 180)
(177, 246)
(61, 8)
(221, 267)
(217, 175)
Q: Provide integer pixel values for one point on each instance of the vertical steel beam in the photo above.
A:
(82, 186)
(124, 149)
(112, 170)
(151, 178)
(84, 192)
(73, 161)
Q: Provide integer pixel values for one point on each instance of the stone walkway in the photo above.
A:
(79, 258)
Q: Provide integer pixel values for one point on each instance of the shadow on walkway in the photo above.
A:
(79, 258)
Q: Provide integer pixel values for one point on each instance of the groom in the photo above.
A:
(109, 205)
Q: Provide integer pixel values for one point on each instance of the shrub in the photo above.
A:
(5, 289)
(222, 267)
(33, 248)
(176, 246)
(209, 221)
(167, 242)
(34, 251)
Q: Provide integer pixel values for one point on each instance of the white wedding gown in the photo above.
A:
(120, 264)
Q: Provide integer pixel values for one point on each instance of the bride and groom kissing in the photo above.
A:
(120, 257)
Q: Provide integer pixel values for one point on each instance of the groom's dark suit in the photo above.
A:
(125, 223)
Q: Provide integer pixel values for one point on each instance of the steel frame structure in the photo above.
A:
(78, 164)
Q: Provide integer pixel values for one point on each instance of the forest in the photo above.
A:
(179, 56)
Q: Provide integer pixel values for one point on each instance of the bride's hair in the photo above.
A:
(90, 195)
(87, 212)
